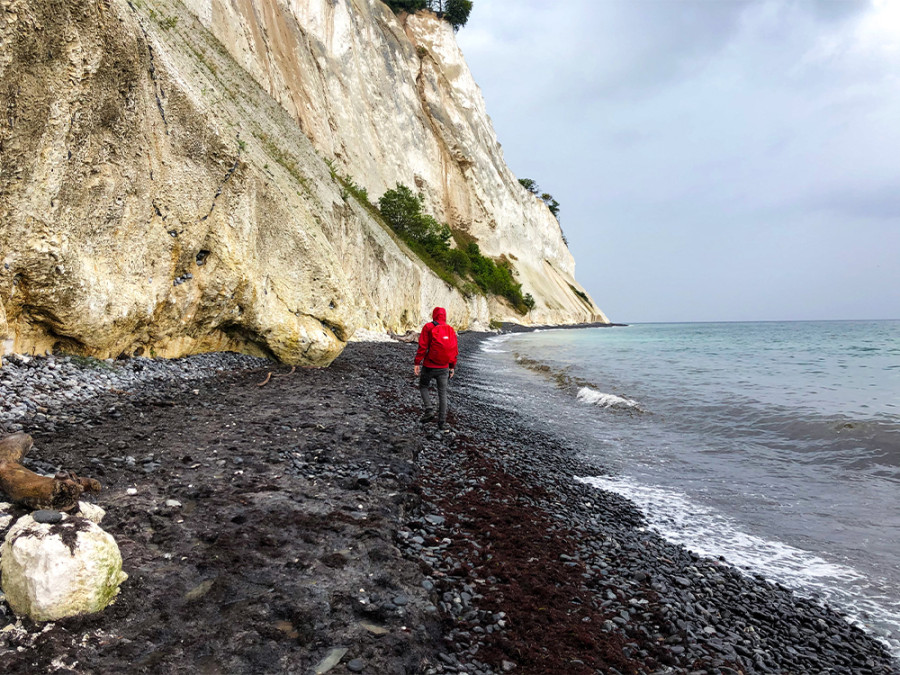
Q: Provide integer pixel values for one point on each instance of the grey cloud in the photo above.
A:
(670, 130)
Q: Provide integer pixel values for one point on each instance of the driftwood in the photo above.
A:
(25, 487)
(14, 448)
(409, 336)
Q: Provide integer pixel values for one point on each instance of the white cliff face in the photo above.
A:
(165, 188)
(157, 201)
(394, 102)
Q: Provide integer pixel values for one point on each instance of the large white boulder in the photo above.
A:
(51, 571)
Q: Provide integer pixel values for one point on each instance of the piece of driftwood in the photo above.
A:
(27, 488)
(14, 448)
(409, 336)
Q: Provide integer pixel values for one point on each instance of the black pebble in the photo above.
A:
(46, 517)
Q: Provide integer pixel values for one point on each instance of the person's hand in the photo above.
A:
(417, 369)
(452, 370)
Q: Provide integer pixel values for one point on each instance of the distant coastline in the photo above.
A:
(510, 327)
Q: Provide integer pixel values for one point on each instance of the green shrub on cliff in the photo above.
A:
(410, 6)
(496, 278)
(401, 209)
(454, 12)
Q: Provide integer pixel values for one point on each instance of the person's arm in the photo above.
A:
(453, 361)
(424, 339)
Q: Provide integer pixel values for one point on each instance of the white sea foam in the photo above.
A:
(708, 532)
(492, 345)
(598, 398)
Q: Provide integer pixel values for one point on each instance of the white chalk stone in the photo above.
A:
(5, 516)
(53, 571)
(91, 511)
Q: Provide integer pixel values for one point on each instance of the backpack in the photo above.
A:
(443, 348)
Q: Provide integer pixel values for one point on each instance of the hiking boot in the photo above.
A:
(427, 416)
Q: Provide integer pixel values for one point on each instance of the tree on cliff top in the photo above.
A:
(532, 186)
(457, 12)
(454, 12)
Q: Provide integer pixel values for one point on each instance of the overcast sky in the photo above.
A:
(715, 160)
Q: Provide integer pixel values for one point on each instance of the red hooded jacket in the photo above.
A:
(437, 343)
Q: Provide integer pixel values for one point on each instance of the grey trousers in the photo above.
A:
(441, 376)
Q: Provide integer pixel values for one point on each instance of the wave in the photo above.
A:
(583, 390)
(708, 532)
(598, 398)
(491, 345)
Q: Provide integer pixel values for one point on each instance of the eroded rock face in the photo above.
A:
(155, 199)
(392, 100)
(51, 571)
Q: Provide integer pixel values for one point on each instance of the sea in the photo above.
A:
(775, 445)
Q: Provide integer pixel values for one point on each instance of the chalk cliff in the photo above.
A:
(168, 178)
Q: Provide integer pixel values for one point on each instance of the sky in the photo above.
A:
(715, 160)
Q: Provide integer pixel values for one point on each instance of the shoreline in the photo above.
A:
(510, 327)
(319, 516)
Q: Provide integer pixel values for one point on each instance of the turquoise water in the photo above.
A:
(776, 445)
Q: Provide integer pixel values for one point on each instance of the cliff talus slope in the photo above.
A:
(163, 194)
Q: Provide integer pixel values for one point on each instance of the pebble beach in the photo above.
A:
(302, 520)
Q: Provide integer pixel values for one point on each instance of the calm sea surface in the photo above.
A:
(775, 445)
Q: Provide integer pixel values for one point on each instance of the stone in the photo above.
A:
(90, 511)
(46, 516)
(51, 571)
(331, 659)
(373, 628)
(199, 590)
(173, 503)
(6, 517)
(356, 666)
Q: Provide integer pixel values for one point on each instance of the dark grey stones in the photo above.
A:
(356, 666)
(47, 517)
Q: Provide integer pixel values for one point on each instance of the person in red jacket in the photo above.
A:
(436, 360)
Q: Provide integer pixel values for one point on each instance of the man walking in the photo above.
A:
(436, 359)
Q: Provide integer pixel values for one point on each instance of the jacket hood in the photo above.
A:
(439, 314)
